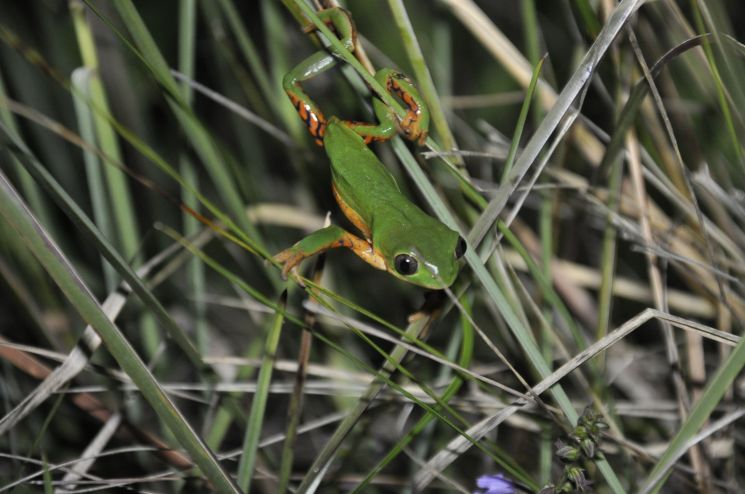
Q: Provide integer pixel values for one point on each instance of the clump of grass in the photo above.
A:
(590, 152)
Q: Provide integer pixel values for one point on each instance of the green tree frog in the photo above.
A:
(397, 236)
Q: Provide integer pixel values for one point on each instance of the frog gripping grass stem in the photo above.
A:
(398, 236)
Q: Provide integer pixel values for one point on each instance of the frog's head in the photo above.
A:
(428, 258)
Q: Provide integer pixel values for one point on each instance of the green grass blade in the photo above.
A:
(519, 126)
(80, 81)
(258, 406)
(122, 206)
(30, 190)
(724, 103)
(195, 269)
(269, 92)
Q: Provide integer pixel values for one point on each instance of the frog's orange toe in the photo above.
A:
(422, 138)
(289, 259)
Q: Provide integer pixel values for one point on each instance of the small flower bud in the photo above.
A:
(588, 447)
(580, 432)
(577, 477)
(568, 453)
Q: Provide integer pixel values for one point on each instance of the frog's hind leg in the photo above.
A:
(414, 125)
(307, 109)
(341, 23)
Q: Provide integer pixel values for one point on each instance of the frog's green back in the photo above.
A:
(359, 177)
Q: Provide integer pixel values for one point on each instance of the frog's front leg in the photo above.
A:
(331, 237)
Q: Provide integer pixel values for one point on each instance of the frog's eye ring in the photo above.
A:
(460, 248)
(406, 264)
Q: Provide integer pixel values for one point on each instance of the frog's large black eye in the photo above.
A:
(406, 265)
(460, 248)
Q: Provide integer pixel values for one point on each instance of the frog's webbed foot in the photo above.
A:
(289, 259)
(415, 124)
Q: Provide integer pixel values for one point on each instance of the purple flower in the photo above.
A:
(494, 484)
